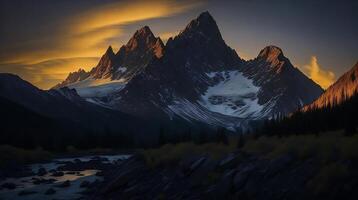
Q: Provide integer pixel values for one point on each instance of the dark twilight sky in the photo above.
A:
(44, 40)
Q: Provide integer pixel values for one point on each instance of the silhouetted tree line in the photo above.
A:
(24, 128)
(328, 118)
(56, 140)
(202, 136)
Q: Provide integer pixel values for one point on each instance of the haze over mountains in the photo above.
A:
(196, 77)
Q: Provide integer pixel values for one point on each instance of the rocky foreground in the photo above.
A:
(294, 167)
(236, 176)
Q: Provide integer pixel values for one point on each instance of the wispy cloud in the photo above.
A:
(48, 73)
(323, 77)
(87, 34)
(82, 35)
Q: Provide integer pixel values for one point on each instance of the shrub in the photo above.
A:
(12, 154)
(326, 178)
(170, 154)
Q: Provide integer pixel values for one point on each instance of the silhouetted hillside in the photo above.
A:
(315, 120)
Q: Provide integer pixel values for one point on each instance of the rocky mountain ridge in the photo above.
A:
(345, 87)
(196, 76)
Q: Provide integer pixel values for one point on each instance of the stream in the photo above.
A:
(64, 178)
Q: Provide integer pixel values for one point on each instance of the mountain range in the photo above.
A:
(194, 80)
(194, 77)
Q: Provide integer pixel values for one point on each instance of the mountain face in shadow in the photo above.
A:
(344, 88)
(130, 60)
(63, 106)
(283, 86)
(195, 77)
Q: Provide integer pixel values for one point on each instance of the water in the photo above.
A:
(70, 192)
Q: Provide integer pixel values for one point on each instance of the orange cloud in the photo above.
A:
(87, 34)
(48, 73)
(45, 60)
(129, 12)
(323, 77)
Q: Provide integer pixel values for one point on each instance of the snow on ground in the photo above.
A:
(94, 88)
(235, 95)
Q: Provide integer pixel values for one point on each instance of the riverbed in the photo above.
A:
(64, 178)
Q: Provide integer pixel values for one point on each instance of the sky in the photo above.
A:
(43, 40)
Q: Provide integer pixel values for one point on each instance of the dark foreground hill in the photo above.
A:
(295, 167)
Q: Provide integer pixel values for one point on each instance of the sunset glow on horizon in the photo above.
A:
(76, 34)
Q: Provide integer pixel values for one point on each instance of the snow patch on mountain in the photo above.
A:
(100, 90)
(234, 95)
(94, 88)
(196, 112)
(121, 69)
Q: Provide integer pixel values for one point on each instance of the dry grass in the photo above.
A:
(22, 156)
(326, 147)
(171, 153)
(327, 176)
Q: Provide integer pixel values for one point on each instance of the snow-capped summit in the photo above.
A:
(114, 70)
(197, 77)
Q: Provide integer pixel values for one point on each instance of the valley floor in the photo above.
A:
(312, 166)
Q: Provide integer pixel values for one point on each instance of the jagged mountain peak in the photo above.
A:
(77, 74)
(202, 38)
(73, 77)
(143, 32)
(197, 64)
(204, 25)
(142, 38)
(109, 51)
(104, 67)
(205, 17)
(271, 53)
(273, 57)
(80, 70)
